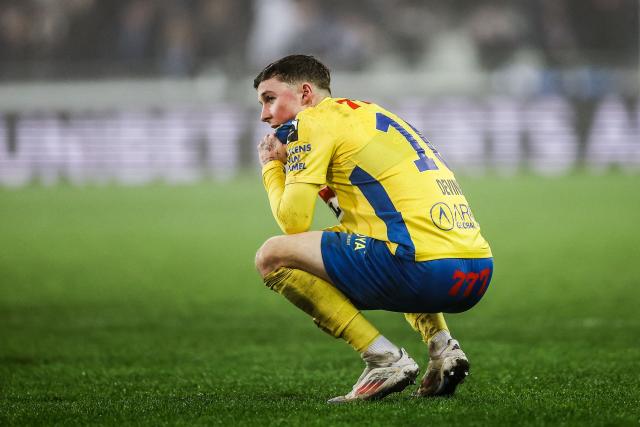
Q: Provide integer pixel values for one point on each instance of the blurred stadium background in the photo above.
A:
(131, 207)
(134, 91)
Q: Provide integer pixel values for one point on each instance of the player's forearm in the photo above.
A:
(291, 206)
(273, 180)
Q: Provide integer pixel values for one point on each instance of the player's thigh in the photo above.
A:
(302, 251)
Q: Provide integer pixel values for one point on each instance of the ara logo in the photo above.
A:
(447, 217)
(442, 216)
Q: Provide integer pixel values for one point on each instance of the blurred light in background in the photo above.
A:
(140, 90)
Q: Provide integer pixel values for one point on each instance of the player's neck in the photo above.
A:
(317, 99)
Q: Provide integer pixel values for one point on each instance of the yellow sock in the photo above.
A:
(428, 324)
(330, 309)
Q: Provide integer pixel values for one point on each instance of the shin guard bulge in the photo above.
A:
(330, 309)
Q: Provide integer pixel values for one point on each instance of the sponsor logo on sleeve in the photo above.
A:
(296, 155)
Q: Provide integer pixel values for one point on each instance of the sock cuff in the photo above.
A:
(382, 345)
(439, 341)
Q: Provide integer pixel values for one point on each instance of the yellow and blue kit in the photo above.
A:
(407, 234)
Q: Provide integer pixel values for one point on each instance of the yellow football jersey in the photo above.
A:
(391, 184)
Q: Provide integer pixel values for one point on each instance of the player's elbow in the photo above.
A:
(293, 224)
(293, 228)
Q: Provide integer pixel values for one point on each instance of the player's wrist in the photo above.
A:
(268, 160)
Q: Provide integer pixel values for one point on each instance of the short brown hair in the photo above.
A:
(296, 68)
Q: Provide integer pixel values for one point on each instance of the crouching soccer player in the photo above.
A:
(407, 240)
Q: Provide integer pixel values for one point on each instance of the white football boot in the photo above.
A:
(383, 374)
(448, 367)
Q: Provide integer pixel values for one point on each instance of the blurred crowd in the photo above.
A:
(64, 39)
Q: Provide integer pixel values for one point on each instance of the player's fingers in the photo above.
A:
(270, 139)
(262, 142)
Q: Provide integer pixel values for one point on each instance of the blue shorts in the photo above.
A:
(364, 270)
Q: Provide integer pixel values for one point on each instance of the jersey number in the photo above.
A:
(423, 163)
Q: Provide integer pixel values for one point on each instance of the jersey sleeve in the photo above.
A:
(309, 152)
(292, 205)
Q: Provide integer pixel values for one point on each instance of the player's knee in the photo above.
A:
(268, 257)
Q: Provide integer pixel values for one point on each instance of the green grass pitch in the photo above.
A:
(142, 306)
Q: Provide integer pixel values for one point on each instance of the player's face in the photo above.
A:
(280, 101)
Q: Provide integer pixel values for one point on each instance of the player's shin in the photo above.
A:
(428, 324)
(331, 309)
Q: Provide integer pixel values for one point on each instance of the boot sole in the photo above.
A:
(410, 376)
(454, 376)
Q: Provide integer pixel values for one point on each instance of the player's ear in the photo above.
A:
(307, 94)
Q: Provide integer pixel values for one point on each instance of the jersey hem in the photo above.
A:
(470, 254)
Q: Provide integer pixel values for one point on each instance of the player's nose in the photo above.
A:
(265, 116)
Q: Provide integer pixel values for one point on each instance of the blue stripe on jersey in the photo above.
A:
(378, 198)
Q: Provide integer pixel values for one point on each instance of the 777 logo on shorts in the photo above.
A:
(470, 278)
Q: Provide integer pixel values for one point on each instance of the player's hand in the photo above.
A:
(270, 148)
